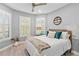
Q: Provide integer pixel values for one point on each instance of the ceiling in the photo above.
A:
(44, 9)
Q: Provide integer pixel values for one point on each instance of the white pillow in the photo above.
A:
(64, 35)
(51, 34)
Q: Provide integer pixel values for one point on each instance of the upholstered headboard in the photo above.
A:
(63, 30)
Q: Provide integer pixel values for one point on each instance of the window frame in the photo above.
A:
(26, 25)
(39, 17)
(9, 24)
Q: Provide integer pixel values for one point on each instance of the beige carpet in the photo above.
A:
(14, 51)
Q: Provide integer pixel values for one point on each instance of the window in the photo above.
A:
(40, 25)
(25, 26)
(5, 28)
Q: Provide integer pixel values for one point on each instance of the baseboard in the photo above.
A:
(6, 47)
(75, 52)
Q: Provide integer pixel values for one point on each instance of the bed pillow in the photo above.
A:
(58, 35)
(65, 35)
(51, 34)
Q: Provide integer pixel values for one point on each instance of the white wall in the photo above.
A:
(70, 20)
(69, 15)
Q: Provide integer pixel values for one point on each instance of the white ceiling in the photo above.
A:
(27, 7)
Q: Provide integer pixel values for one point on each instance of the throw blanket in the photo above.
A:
(40, 45)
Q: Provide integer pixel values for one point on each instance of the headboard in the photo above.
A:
(63, 30)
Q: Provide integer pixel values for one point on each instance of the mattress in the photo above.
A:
(58, 46)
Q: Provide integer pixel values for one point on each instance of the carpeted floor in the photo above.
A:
(14, 51)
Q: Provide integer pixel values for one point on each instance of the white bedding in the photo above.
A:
(58, 46)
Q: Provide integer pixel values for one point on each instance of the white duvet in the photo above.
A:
(58, 46)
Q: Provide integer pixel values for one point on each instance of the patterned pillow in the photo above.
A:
(51, 34)
(65, 35)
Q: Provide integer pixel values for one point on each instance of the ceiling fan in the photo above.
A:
(37, 4)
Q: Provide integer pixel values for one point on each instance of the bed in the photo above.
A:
(51, 47)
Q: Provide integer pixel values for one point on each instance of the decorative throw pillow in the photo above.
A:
(58, 35)
(51, 34)
(64, 35)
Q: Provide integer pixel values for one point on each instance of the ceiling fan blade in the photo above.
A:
(33, 7)
(37, 4)
(41, 4)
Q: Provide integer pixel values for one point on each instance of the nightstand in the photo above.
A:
(75, 44)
